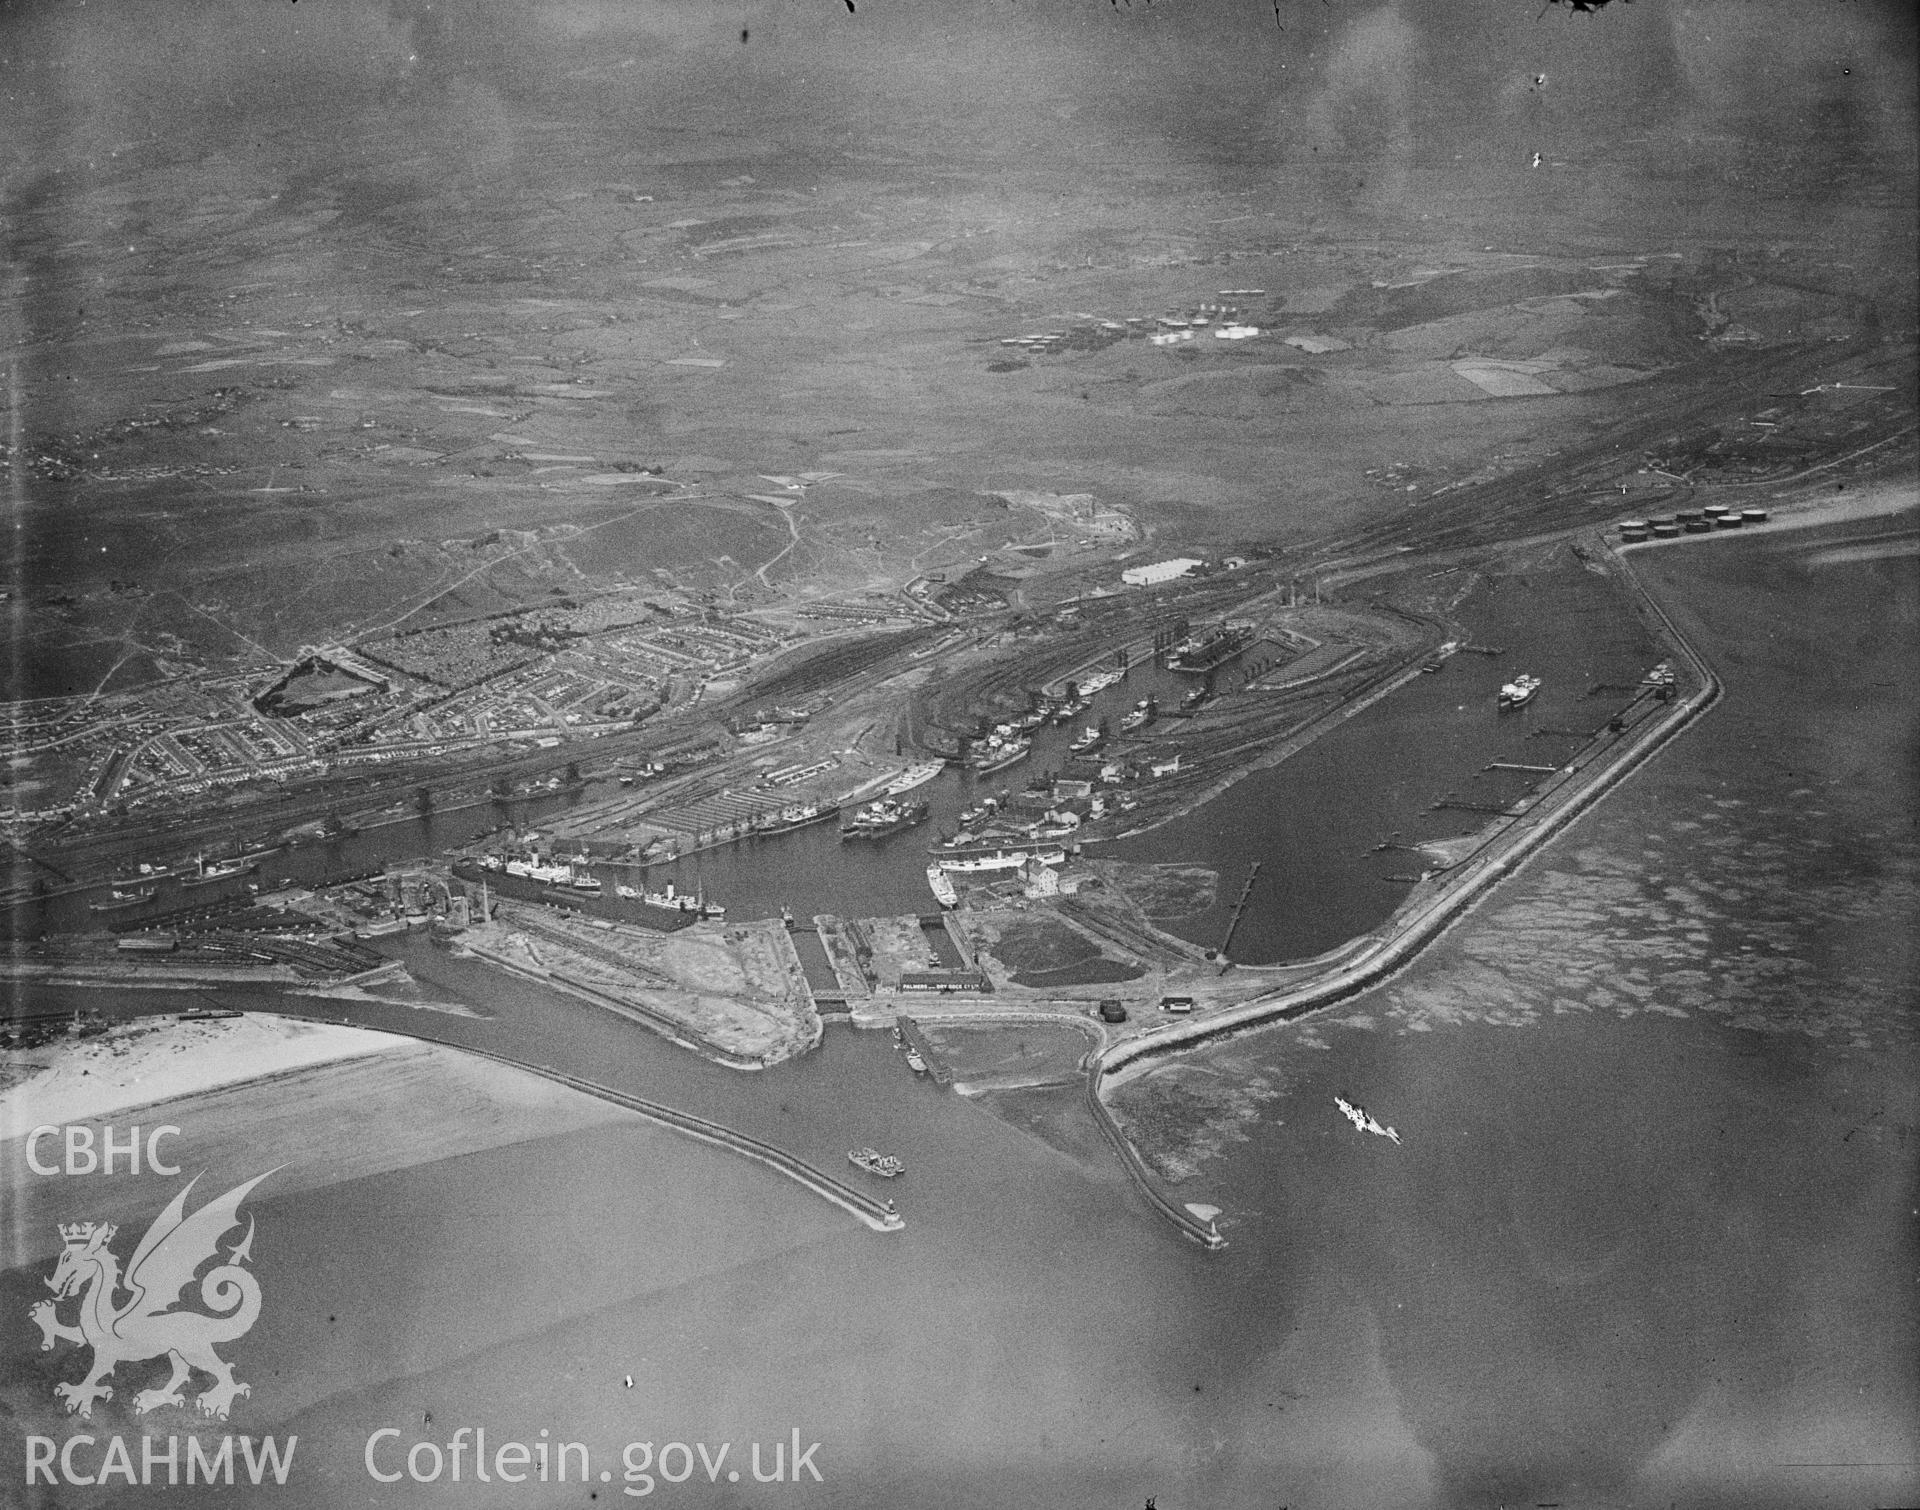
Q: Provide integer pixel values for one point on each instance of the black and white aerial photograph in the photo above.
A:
(926, 754)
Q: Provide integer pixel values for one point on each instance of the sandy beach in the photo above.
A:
(163, 1059)
(318, 1104)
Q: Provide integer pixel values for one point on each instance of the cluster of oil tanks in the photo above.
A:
(1699, 521)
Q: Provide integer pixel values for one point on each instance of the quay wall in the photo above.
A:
(1206, 1234)
(1350, 969)
(671, 1029)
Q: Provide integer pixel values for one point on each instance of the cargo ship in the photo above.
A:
(999, 754)
(874, 1162)
(120, 897)
(1519, 692)
(799, 815)
(204, 874)
(913, 777)
(1001, 857)
(1101, 680)
(1140, 716)
(674, 900)
(943, 889)
(878, 820)
(1200, 654)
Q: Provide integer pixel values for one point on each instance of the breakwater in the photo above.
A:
(879, 1215)
(1205, 1233)
(1198, 1229)
(1366, 962)
(1435, 907)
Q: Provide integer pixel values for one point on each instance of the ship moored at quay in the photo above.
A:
(879, 820)
(913, 778)
(1202, 654)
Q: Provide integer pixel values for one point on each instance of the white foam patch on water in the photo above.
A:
(1723, 912)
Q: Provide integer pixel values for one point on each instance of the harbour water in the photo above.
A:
(1312, 822)
(1624, 1252)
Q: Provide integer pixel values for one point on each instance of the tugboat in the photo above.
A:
(915, 1062)
(1519, 692)
(124, 897)
(1087, 742)
(874, 1162)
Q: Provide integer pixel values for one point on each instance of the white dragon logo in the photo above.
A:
(147, 1326)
